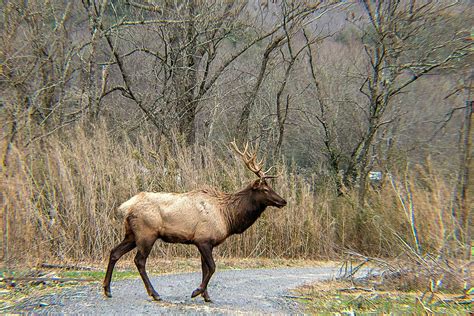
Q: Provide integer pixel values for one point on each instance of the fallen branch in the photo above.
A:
(66, 267)
(299, 297)
(355, 288)
(43, 279)
(454, 301)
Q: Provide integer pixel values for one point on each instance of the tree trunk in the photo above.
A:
(187, 78)
(467, 165)
(187, 116)
(243, 125)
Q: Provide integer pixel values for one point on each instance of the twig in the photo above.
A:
(424, 306)
(463, 302)
(376, 260)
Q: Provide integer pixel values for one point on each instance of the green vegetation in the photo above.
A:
(98, 275)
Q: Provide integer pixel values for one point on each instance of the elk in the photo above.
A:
(204, 218)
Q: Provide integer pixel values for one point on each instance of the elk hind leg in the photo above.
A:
(144, 247)
(127, 244)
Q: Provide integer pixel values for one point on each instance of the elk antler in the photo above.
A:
(250, 160)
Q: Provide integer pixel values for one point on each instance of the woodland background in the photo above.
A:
(102, 99)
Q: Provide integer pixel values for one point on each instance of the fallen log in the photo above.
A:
(43, 279)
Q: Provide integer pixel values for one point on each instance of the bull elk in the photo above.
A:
(204, 218)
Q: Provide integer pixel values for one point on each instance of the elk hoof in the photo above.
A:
(196, 292)
(107, 293)
(206, 297)
(155, 296)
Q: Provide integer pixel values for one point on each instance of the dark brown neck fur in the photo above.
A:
(241, 210)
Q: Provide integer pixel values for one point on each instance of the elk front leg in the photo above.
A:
(208, 269)
(205, 272)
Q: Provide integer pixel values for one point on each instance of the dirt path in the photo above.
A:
(233, 291)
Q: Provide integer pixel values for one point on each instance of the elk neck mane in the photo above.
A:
(238, 209)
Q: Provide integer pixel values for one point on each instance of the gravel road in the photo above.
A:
(232, 292)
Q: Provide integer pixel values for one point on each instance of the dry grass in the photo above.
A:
(59, 197)
(342, 297)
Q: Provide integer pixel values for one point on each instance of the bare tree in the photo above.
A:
(400, 48)
(190, 50)
(190, 46)
(38, 60)
(464, 186)
(282, 106)
(294, 15)
(93, 73)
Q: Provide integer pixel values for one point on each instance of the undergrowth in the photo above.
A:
(60, 196)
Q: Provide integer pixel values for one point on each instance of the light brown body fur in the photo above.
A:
(191, 217)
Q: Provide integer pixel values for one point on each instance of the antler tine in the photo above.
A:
(269, 169)
(250, 159)
(246, 157)
(253, 165)
(257, 166)
(272, 176)
(257, 169)
(245, 149)
(234, 145)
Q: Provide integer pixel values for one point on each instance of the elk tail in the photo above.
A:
(123, 210)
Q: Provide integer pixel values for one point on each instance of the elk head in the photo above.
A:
(263, 193)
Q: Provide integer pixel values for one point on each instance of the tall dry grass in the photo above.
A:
(59, 198)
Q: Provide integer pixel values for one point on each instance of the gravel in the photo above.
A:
(265, 291)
